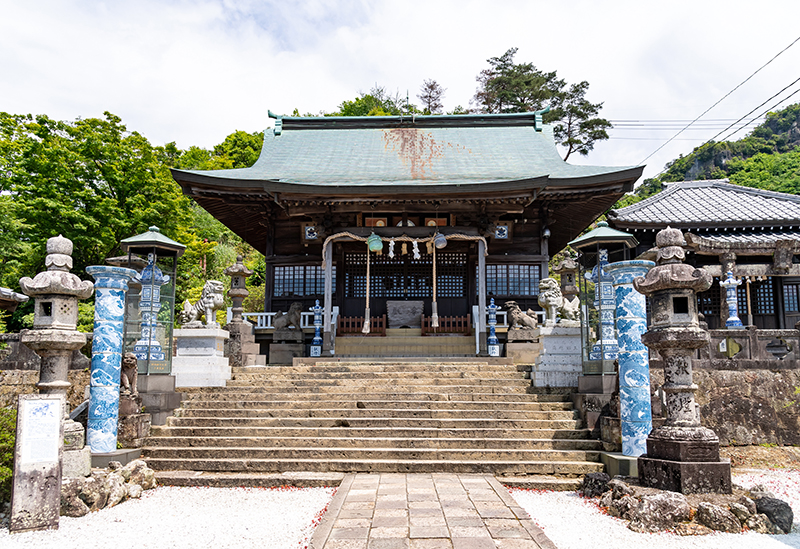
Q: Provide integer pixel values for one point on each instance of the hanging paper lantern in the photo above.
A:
(374, 243)
(439, 241)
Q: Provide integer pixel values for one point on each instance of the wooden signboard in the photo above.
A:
(36, 488)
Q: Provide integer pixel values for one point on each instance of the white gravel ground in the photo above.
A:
(177, 518)
(573, 522)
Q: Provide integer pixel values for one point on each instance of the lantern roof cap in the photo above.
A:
(603, 234)
(152, 239)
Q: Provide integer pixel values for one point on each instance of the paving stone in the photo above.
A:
(437, 543)
(389, 522)
(346, 544)
(352, 523)
(428, 532)
(349, 533)
(473, 543)
(506, 528)
(469, 532)
(388, 543)
(387, 532)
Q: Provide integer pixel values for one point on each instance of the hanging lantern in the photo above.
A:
(439, 241)
(374, 243)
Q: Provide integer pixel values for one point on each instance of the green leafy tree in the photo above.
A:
(430, 96)
(377, 102)
(577, 125)
(8, 434)
(508, 87)
(90, 180)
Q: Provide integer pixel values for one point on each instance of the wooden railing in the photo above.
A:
(448, 325)
(352, 325)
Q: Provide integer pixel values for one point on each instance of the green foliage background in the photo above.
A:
(8, 433)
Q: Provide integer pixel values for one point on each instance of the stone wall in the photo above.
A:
(20, 382)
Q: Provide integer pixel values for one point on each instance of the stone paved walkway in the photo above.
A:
(426, 511)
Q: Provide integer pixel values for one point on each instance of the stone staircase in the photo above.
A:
(457, 415)
(405, 342)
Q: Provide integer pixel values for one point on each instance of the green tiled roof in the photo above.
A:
(410, 152)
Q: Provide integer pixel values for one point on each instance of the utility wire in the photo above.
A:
(795, 92)
(720, 101)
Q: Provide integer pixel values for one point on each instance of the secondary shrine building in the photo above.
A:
(494, 186)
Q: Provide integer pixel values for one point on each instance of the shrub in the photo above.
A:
(8, 433)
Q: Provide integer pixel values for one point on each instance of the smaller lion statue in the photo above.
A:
(292, 318)
(130, 374)
(211, 300)
(570, 308)
(517, 319)
(550, 299)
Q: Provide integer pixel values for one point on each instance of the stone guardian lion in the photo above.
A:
(211, 300)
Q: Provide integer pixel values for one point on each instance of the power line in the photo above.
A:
(795, 92)
(720, 101)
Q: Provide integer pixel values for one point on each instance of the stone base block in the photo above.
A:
(159, 398)
(597, 384)
(611, 435)
(133, 430)
(523, 353)
(292, 335)
(618, 464)
(201, 371)
(522, 335)
(124, 456)
(283, 353)
(129, 405)
(683, 450)
(200, 342)
(76, 463)
(554, 378)
(155, 383)
(686, 477)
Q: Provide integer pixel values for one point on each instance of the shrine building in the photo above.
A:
(492, 188)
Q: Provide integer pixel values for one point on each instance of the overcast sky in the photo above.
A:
(193, 71)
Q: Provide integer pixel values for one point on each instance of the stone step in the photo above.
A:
(373, 442)
(322, 422)
(370, 368)
(196, 404)
(370, 453)
(393, 381)
(573, 468)
(538, 482)
(239, 394)
(320, 388)
(404, 377)
(365, 432)
(384, 413)
(300, 479)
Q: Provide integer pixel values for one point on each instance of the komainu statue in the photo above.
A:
(129, 374)
(550, 299)
(212, 299)
(517, 319)
(292, 318)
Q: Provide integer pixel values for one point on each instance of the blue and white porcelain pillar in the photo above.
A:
(731, 286)
(636, 417)
(111, 284)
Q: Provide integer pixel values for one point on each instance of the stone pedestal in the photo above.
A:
(559, 363)
(159, 398)
(523, 346)
(287, 344)
(242, 349)
(134, 426)
(200, 360)
(76, 461)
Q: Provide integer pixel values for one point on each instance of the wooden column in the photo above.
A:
(482, 294)
(328, 312)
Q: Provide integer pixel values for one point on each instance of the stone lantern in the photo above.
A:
(682, 455)
(241, 342)
(54, 337)
(55, 318)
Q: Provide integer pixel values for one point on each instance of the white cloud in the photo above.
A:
(194, 71)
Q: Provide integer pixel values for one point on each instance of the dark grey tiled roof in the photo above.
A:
(711, 202)
(758, 237)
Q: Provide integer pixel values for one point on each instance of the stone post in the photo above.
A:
(634, 368)
(111, 284)
(682, 455)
